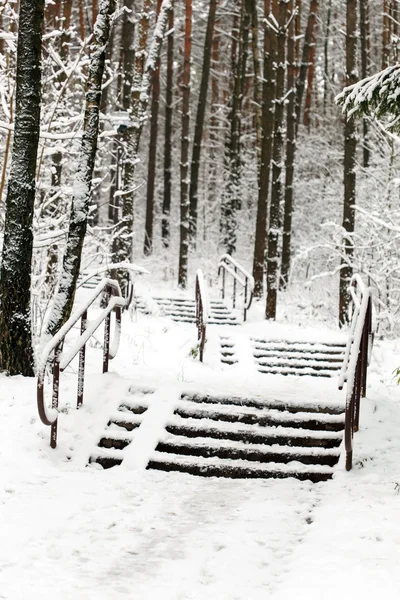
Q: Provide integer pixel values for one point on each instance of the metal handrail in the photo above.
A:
(53, 350)
(356, 360)
(227, 264)
(202, 311)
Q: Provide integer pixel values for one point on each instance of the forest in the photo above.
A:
(166, 133)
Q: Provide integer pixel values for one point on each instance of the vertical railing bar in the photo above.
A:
(234, 290)
(56, 393)
(245, 300)
(81, 368)
(106, 346)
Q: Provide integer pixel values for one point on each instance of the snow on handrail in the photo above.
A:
(54, 347)
(202, 311)
(356, 360)
(230, 265)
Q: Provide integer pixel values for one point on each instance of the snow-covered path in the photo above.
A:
(73, 532)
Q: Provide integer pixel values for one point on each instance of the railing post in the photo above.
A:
(56, 391)
(245, 300)
(234, 290)
(81, 369)
(357, 392)
(106, 346)
(223, 283)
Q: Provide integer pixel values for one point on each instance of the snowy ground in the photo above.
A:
(75, 532)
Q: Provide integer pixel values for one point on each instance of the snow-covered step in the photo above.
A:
(237, 469)
(229, 437)
(251, 452)
(91, 283)
(262, 417)
(287, 357)
(184, 310)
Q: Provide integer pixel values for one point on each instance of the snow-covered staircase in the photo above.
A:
(234, 437)
(183, 310)
(298, 358)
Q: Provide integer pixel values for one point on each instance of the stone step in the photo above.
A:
(266, 417)
(236, 469)
(249, 452)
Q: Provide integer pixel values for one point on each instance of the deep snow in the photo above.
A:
(72, 531)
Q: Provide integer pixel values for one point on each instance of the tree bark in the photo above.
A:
(290, 152)
(184, 168)
(16, 352)
(276, 187)
(268, 95)
(65, 295)
(151, 172)
(308, 42)
(201, 110)
(364, 37)
(350, 148)
(231, 202)
(166, 208)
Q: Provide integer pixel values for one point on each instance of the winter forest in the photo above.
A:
(166, 133)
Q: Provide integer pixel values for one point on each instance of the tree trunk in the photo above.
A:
(16, 352)
(65, 295)
(268, 95)
(166, 208)
(141, 88)
(184, 169)
(151, 172)
(386, 34)
(290, 153)
(276, 186)
(201, 109)
(350, 148)
(308, 42)
(364, 37)
(326, 53)
(231, 202)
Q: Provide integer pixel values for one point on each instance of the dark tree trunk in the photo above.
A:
(294, 112)
(65, 295)
(16, 353)
(166, 208)
(290, 153)
(305, 60)
(276, 186)
(386, 34)
(201, 110)
(151, 172)
(350, 148)
(364, 37)
(141, 84)
(184, 169)
(326, 53)
(231, 202)
(268, 95)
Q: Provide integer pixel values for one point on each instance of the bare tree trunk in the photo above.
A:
(326, 53)
(364, 37)
(386, 34)
(231, 203)
(290, 152)
(201, 109)
(276, 186)
(141, 89)
(16, 352)
(310, 82)
(350, 148)
(65, 295)
(268, 95)
(305, 61)
(151, 172)
(185, 207)
(166, 208)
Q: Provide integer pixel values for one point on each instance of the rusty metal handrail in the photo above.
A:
(355, 364)
(53, 350)
(202, 311)
(227, 264)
